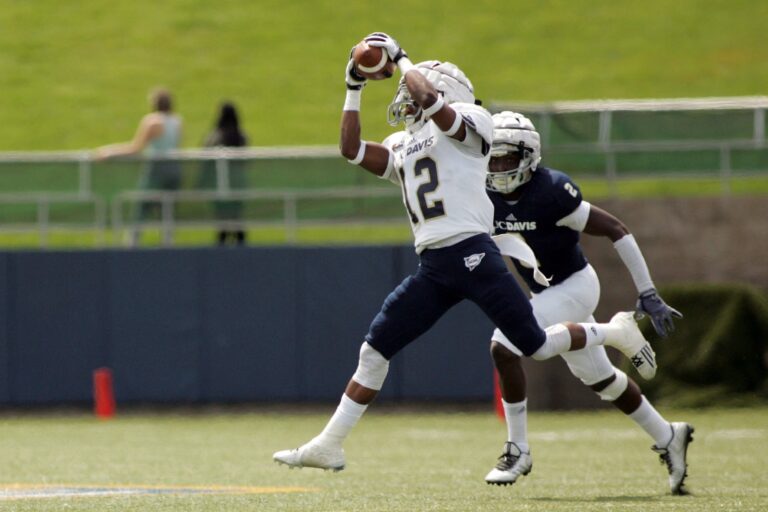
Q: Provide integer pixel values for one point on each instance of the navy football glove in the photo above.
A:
(649, 303)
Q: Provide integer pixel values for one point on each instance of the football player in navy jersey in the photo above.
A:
(441, 169)
(545, 207)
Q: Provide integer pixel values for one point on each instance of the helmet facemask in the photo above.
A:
(506, 181)
(447, 79)
(404, 110)
(514, 137)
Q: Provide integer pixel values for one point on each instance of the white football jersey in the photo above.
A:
(443, 179)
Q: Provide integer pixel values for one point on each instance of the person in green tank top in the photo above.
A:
(158, 134)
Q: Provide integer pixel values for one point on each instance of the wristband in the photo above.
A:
(360, 154)
(405, 65)
(630, 254)
(436, 106)
(455, 126)
(352, 101)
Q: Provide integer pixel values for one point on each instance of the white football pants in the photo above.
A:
(573, 300)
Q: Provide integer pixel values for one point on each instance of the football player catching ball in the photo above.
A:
(441, 168)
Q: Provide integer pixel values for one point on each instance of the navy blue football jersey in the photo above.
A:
(549, 196)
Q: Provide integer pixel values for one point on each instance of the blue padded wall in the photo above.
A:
(220, 325)
(57, 324)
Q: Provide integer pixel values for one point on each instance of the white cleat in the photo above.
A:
(312, 455)
(512, 463)
(630, 341)
(674, 456)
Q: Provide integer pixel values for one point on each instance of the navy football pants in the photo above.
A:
(443, 280)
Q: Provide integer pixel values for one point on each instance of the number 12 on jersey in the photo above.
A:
(429, 209)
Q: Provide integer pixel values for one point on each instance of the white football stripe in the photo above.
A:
(378, 67)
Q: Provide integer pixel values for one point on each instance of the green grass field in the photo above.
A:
(80, 78)
(396, 461)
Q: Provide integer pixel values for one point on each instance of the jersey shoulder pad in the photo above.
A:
(477, 118)
(564, 190)
(395, 141)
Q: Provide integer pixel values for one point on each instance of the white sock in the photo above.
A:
(596, 333)
(651, 421)
(517, 423)
(557, 342)
(343, 420)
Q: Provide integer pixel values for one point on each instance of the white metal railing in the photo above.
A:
(603, 144)
(222, 157)
(638, 105)
(289, 198)
(43, 225)
(84, 194)
(725, 150)
(606, 108)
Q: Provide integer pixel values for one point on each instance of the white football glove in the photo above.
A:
(355, 81)
(386, 42)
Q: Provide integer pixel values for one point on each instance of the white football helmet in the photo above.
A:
(447, 78)
(513, 134)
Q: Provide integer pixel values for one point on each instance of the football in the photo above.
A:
(372, 62)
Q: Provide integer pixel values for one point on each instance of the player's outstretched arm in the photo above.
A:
(602, 223)
(424, 93)
(421, 90)
(373, 157)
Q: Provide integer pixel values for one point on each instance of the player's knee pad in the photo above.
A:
(499, 339)
(615, 389)
(372, 368)
(501, 353)
(558, 341)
